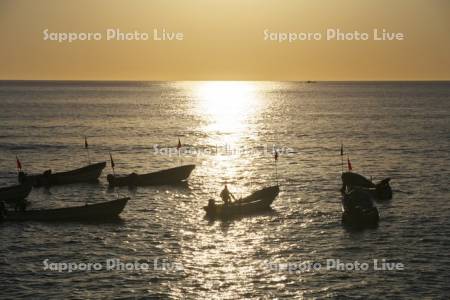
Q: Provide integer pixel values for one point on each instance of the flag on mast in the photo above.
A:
(112, 161)
(179, 144)
(349, 164)
(275, 156)
(18, 163)
(342, 149)
(86, 146)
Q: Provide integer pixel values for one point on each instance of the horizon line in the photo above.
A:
(199, 80)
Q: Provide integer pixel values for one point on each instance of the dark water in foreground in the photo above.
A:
(400, 130)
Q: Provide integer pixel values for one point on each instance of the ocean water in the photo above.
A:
(228, 129)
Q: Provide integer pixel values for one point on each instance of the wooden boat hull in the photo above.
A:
(257, 202)
(358, 209)
(380, 191)
(169, 176)
(268, 192)
(89, 173)
(355, 179)
(91, 212)
(15, 192)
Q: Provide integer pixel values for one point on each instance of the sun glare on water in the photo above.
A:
(228, 110)
(227, 107)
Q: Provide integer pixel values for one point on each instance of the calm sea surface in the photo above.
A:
(397, 130)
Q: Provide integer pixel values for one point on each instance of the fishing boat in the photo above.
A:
(358, 209)
(256, 202)
(89, 173)
(169, 176)
(15, 192)
(380, 191)
(90, 212)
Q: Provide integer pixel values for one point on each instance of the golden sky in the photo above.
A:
(224, 40)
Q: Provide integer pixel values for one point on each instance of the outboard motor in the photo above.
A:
(110, 179)
(133, 179)
(384, 190)
(44, 180)
(211, 208)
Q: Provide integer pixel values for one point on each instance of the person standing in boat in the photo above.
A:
(226, 195)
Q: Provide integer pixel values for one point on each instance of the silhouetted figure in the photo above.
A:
(226, 195)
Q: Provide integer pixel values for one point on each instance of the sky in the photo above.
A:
(224, 40)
